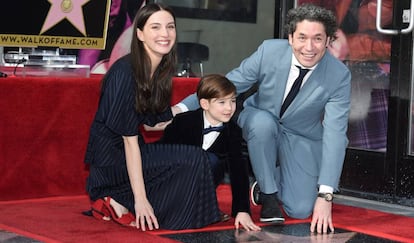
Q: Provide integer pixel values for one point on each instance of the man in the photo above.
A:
(296, 152)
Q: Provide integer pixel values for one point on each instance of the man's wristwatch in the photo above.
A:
(328, 196)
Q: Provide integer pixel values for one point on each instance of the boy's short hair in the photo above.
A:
(214, 86)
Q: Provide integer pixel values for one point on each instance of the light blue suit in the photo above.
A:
(309, 141)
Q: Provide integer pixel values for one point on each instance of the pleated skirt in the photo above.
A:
(178, 182)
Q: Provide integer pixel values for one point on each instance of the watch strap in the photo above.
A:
(326, 195)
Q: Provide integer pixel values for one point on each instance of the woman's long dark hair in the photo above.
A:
(153, 94)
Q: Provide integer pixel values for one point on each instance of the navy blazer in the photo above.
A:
(187, 128)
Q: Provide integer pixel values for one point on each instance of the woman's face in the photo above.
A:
(159, 34)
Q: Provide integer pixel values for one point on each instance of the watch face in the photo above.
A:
(327, 196)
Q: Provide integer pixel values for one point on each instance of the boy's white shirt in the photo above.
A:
(210, 137)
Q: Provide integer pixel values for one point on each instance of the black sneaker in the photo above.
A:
(255, 194)
(270, 212)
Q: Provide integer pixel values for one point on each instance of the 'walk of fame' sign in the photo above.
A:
(72, 24)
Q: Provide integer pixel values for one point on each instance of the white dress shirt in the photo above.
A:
(210, 137)
(294, 73)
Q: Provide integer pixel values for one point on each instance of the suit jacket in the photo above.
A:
(187, 128)
(313, 128)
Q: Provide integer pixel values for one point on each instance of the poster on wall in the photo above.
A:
(367, 54)
(71, 24)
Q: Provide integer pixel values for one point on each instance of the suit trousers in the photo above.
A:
(217, 168)
(272, 168)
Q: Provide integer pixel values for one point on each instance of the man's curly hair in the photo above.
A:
(312, 13)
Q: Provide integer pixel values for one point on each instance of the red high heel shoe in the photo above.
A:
(102, 210)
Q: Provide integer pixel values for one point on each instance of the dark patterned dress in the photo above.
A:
(178, 179)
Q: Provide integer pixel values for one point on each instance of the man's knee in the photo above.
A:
(299, 210)
(259, 124)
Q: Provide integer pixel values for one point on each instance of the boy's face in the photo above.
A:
(219, 109)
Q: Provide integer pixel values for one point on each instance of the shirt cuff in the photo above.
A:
(183, 107)
(325, 189)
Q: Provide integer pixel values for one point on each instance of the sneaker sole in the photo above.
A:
(252, 193)
(272, 220)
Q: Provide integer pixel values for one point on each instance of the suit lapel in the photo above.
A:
(198, 126)
(281, 69)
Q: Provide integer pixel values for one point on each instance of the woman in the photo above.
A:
(146, 185)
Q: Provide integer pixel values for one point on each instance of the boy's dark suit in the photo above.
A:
(187, 128)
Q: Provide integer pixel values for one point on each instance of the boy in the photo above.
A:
(210, 127)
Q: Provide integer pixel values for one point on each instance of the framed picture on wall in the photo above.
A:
(224, 10)
(63, 24)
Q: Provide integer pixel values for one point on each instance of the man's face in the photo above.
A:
(309, 42)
